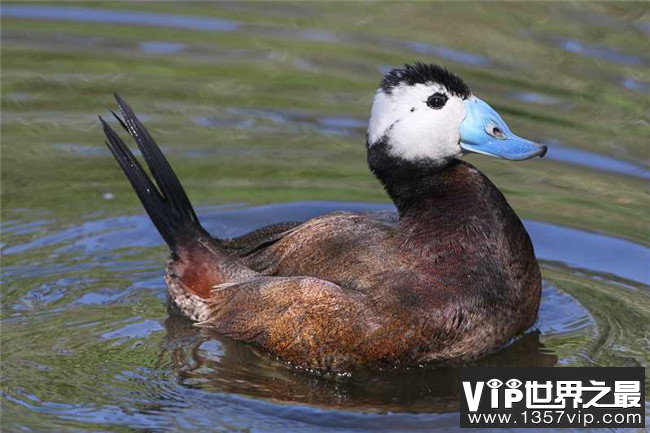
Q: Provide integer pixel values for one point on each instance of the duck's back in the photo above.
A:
(345, 248)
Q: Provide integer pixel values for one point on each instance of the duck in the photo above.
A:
(449, 278)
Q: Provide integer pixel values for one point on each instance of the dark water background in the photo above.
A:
(262, 109)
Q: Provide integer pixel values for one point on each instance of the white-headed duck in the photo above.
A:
(450, 278)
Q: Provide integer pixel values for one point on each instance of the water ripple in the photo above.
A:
(606, 255)
(108, 16)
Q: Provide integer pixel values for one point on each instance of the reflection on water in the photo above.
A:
(447, 53)
(584, 49)
(118, 17)
(215, 364)
(284, 120)
(636, 85)
(161, 47)
(593, 160)
(269, 104)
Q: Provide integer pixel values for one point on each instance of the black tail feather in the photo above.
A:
(162, 172)
(168, 207)
(119, 119)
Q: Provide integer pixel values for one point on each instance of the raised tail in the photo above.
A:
(167, 204)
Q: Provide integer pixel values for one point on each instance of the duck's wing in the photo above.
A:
(305, 321)
(342, 247)
(259, 239)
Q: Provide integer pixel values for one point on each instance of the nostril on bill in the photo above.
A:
(498, 133)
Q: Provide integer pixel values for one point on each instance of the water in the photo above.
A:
(262, 112)
(91, 15)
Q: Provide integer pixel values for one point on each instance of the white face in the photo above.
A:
(416, 131)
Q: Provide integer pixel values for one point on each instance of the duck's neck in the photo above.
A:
(421, 188)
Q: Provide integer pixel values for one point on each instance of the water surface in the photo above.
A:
(262, 111)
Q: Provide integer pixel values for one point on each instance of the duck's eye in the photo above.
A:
(437, 101)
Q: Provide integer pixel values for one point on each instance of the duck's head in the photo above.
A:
(427, 115)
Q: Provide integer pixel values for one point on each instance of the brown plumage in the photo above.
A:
(452, 277)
